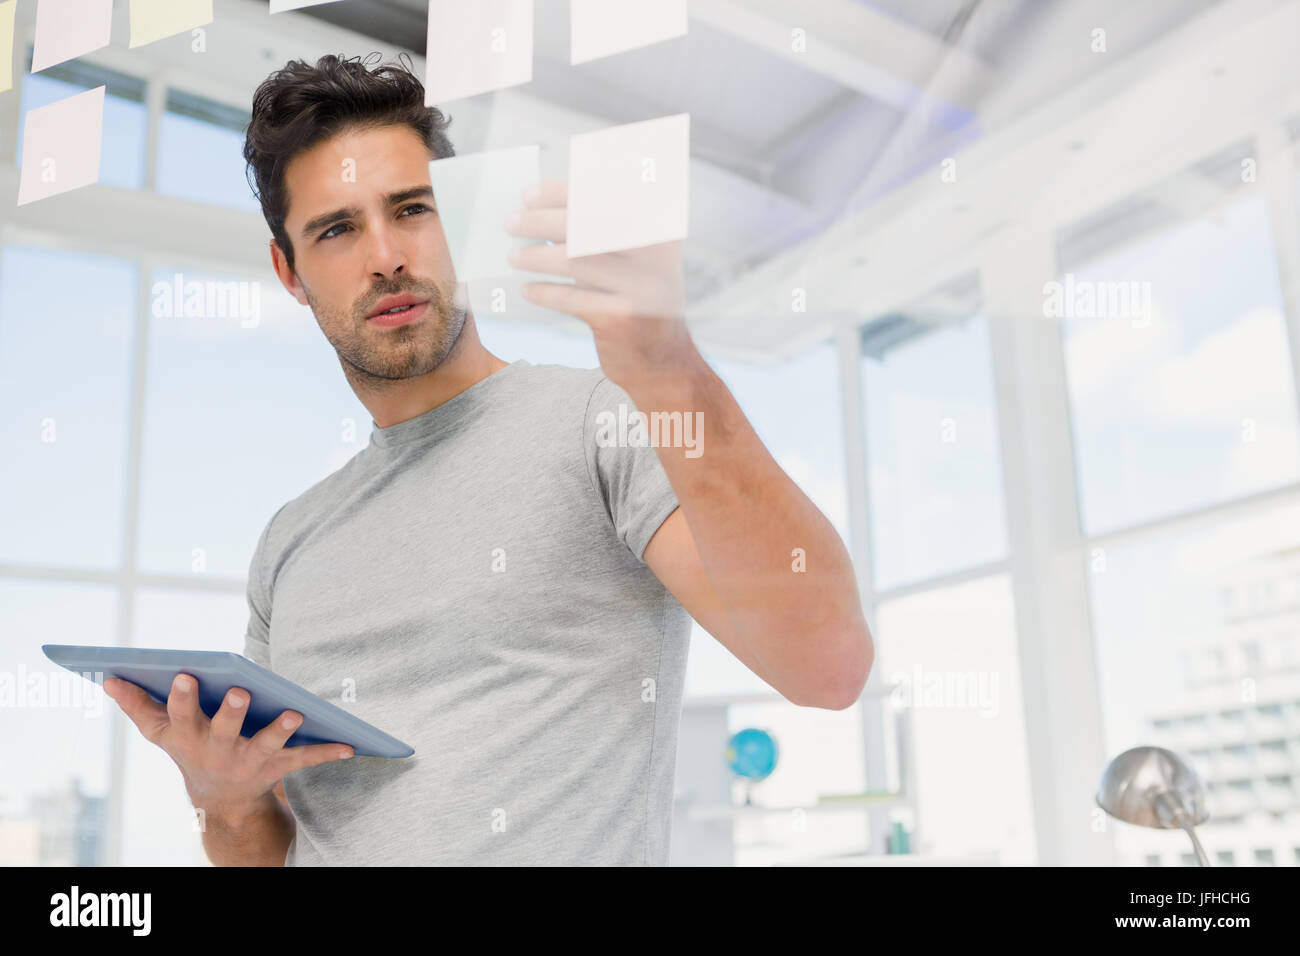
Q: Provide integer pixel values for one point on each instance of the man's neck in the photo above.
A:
(468, 364)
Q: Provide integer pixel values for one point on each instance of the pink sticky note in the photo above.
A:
(629, 185)
(66, 29)
(61, 144)
(476, 46)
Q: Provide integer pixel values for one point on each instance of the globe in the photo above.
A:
(751, 753)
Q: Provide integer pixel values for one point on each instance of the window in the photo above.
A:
(935, 477)
(953, 654)
(1155, 600)
(200, 152)
(66, 398)
(54, 725)
(246, 409)
(1185, 398)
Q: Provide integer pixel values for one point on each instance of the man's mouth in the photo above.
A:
(398, 310)
(395, 305)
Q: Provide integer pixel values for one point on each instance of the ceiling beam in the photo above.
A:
(795, 132)
(856, 46)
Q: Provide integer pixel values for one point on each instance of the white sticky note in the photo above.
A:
(65, 29)
(601, 27)
(61, 144)
(280, 6)
(155, 19)
(628, 186)
(476, 46)
(475, 194)
(7, 10)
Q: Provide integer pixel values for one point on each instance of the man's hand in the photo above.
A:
(634, 300)
(226, 775)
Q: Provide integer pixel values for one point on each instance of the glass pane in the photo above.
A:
(1198, 651)
(66, 399)
(200, 153)
(247, 408)
(158, 818)
(121, 158)
(795, 409)
(1186, 398)
(54, 726)
(953, 653)
(935, 477)
(819, 753)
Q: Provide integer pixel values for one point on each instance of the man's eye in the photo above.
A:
(330, 233)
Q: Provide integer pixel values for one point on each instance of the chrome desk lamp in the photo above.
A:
(1154, 787)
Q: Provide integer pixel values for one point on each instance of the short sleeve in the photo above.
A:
(625, 468)
(257, 637)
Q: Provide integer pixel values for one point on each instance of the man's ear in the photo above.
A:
(286, 275)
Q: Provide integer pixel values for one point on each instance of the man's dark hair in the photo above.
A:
(301, 105)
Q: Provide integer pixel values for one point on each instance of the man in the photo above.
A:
(502, 578)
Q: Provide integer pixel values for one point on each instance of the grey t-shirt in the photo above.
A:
(472, 583)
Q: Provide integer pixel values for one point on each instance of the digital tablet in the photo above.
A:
(270, 694)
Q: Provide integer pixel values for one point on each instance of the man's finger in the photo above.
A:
(270, 740)
(551, 224)
(554, 193)
(149, 716)
(598, 272)
(590, 305)
(309, 755)
(229, 718)
(183, 706)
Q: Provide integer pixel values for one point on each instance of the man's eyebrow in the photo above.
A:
(392, 199)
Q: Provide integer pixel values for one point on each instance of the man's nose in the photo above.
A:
(385, 256)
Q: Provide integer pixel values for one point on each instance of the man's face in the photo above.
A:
(364, 229)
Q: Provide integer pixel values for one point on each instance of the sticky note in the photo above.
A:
(476, 46)
(155, 19)
(628, 186)
(602, 27)
(65, 29)
(280, 6)
(475, 194)
(61, 144)
(7, 10)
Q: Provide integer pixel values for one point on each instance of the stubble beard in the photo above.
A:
(375, 358)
